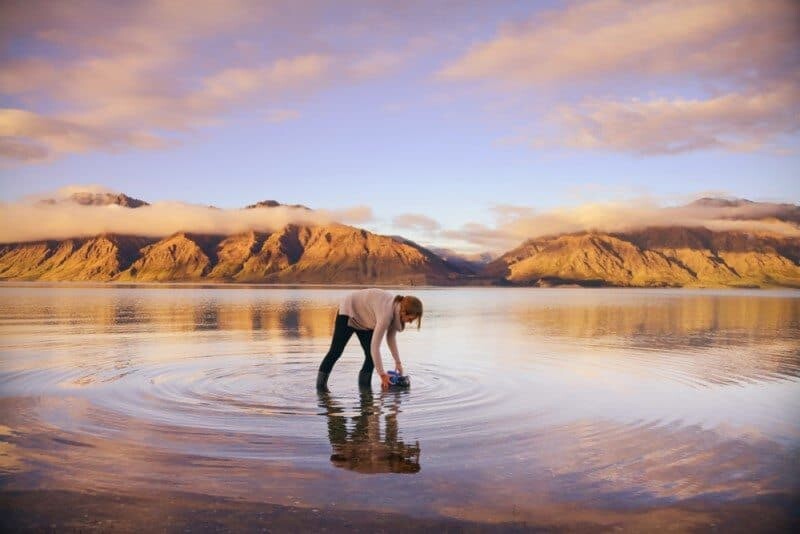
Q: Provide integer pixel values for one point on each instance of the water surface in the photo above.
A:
(527, 405)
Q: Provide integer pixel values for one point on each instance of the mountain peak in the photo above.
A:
(275, 204)
(743, 209)
(105, 199)
(92, 198)
(716, 202)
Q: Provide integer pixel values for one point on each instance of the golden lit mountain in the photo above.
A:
(330, 253)
(671, 256)
(335, 254)
(99, 258)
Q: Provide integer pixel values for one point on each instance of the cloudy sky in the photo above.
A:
(446, 122)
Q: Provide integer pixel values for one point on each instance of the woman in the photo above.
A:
(371, 314)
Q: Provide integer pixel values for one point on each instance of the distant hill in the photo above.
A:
(471, 263)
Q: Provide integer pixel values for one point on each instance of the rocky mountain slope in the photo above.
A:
(664, 256)
(340, 254)
(330, 254)
(100, 258)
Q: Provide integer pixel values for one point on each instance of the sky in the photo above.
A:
(446, 122)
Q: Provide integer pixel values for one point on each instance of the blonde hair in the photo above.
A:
(411, 306)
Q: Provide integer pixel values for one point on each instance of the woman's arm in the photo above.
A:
(391, 340)
(375, 347)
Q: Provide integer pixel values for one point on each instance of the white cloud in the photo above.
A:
(31, 220)
(516, 224)
(732, 122)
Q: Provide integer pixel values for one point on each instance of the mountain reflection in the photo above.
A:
(636, 317)
(697, 320)
(362, 447)
(110, 310)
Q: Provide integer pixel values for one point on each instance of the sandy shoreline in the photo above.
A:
(57, 510)
(61, 510)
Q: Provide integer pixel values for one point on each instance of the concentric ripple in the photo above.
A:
(503, 393)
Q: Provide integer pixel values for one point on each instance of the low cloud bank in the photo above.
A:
(516, 224)
(33, 220)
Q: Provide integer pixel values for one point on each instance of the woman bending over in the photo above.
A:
(371, 314)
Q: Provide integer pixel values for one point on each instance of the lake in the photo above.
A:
(553, 408)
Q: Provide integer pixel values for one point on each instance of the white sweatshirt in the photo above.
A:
(375, 309)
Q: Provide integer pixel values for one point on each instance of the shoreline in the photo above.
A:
(65, 510)
(267, 285)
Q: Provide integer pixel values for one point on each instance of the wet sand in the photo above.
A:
(180, 512)
(59, 511)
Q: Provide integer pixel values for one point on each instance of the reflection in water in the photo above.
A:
(112, 310)
(699, 320)
(527, 401)
(363, 448)
(696, 338)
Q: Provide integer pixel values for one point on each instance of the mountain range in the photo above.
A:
(332, 253)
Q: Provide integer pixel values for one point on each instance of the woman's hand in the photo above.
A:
(384, 381)
(399, 369)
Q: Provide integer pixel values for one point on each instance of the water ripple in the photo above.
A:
(633, 411)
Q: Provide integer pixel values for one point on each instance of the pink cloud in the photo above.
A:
(735, 122)
(740, 57)
(484, 236)
(139, 75)
(113, 105)
(27, 134)
(610, 38)
(415, 221)
(281, 115)
(285, 73)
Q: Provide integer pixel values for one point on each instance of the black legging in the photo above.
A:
(341, 335)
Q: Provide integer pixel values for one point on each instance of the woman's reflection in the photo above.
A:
(363, 449)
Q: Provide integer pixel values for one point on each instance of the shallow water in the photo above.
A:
(525, 403)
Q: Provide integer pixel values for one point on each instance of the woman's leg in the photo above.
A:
(365, 375)
(341, 335)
